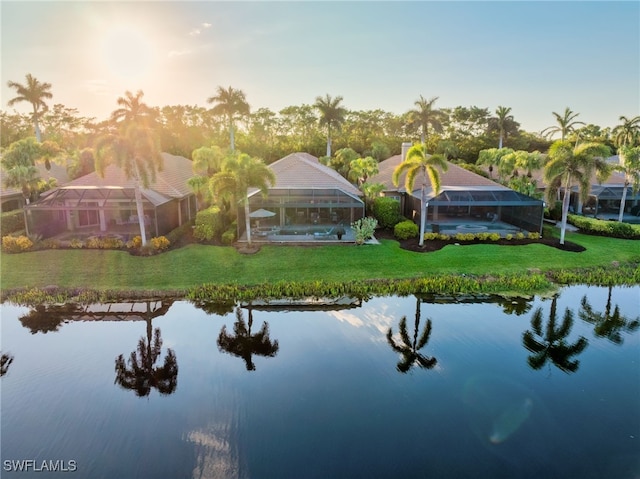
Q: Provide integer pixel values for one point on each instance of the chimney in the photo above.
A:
(405, 148)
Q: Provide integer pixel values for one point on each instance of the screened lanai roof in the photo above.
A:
(77, 196)
(479, 196)
(610, 192)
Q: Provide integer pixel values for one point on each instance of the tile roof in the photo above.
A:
(171, 182)
(455, 178)
(57, 171)
(302, 170)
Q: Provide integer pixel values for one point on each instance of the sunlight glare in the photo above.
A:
(126, 52)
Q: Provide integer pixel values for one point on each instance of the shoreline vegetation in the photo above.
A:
(222, 274)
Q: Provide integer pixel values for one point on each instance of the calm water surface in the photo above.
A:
(525, 389)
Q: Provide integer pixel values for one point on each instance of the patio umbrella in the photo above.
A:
(261, 213)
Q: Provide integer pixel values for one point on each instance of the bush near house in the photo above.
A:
(405, 230)
(11, 221)
(387, 211)
(16, 244)
(363, 229)
(614, 229)
(209, 224)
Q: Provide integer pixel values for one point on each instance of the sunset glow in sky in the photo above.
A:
(536, 57)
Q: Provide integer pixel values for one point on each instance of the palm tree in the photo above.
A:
(239, 173)
(230, 103)
(568, 164)
(608, 324)
(409, 348)
(424, 115)
(48, 318)
(5, 362)
(132, 109)
(552, 343)
(136, 150)
(566, 124)
(361, 169)
(244, 344)
(627, 134)
(502, 119)
(419, 162)
(33, 92)
(493, 157)
(630, 167)
(331, 114)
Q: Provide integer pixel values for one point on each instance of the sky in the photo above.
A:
(535, 57)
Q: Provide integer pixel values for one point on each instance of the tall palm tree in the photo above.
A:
(230, 103)
(132, 109)
(244, 344)
(34, 92)
(331, 114)
(425, 115)
(568, 164)
(502, 118)
(420, 164)
(136, 150)
(630, 167)
(566, 124)
(550, 343)
(410, 347)
(239, 173)
(608, 324)
(627, 134)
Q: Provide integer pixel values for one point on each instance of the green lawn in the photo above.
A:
(198, 264)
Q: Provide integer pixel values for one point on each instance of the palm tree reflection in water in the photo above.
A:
(409, 348)
(5, 362)
(140, 375)
(244, 344)
(552, 345)
(608, 324)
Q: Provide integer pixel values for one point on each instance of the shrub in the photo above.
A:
(363, 229)
(519, 235)
(465, 236)
(76, 243)
(160, 243)
(483, 236)
(135, 242)
(50, 243)
(509, 237)
(613, 229)
(209, 224)
(405, 230)
(229, 236)
(11, 222)
(494, 237)
(444, 237)
(533, 235)
(93, 243)
(554, 213)
(430, 236)
(16, 244)
(175, 235)
(111, 243)
(387, 211)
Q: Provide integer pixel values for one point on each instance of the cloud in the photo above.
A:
(194, 33)
(206, 25)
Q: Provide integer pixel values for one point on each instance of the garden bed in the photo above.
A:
(437, 244)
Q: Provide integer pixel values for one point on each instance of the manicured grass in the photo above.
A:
(198, 264)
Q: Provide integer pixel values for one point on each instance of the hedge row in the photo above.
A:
(11, 221)
(613, 229)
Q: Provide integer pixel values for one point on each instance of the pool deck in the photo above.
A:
(305, 235)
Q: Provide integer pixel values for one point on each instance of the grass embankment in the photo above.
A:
(194, 265)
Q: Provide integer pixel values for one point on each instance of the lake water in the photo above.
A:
(480, 389)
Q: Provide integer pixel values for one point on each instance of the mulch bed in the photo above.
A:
(435, 245)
